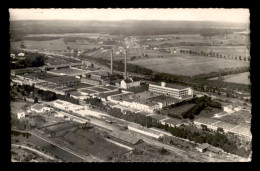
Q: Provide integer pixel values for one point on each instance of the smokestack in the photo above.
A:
(125, 64)
(111, 61)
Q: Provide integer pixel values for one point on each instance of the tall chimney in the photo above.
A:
(125, 64)
(111, 61)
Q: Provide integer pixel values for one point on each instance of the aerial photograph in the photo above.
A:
(130, 85)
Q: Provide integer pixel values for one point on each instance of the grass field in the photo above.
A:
(57, 44)
(178, 110)
(188, 65)
(241, 78)
(94, 144)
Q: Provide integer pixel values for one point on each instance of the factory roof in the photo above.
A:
(125, 137)
(105, 95)
(37, 106)
(87, 91)
(206, 121)
(174, 86)
(172, 121)
(145, 95)
(162, 98)
(158, 117)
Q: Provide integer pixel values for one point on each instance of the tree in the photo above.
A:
(220, 130)
(22, 46)
(36, 100)
(163, 151)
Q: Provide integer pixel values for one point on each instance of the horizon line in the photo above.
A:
(128, 20)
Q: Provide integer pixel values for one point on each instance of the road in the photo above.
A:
(36, 151)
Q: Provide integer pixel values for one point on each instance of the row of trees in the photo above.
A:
(214, 54)
(216, 139)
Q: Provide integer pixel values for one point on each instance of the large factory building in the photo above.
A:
(175, 91)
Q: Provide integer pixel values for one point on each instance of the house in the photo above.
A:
(12, 55)
(238, 108)
(202, 147)
(40, 108)
(228, 109)
(21, 114)
(21, 54)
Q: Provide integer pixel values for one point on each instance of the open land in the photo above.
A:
(189, 65)
(241, 78)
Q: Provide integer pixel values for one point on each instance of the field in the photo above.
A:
(178, 110)
(242, 118)
(241, 78)
(57, 44)
(93, 143)
(188, 65)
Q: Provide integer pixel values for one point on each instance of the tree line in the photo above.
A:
(31, 60)
(215, 55)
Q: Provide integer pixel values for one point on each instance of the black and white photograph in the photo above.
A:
(117, 85)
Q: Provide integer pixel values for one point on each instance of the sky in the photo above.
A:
(209, 14)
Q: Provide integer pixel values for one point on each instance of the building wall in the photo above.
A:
(125, 85)
(171, 91)
(89, 81)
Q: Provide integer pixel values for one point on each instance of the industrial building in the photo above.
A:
(40, 108)
(128, 100)
(172, 122)
(67, 106)
(126, 138)
(214, 124)
(96, 78)
(128, 83)
(175, 91)
(206, 147)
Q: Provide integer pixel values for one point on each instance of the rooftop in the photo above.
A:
(87, 91)
(125, 137)
(162, 98)
(207, 121)
(173, 121)
(105, 95)
(203, 146)
(145, 95)
(37, 106)
(174, 86)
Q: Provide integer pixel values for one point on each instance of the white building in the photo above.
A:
(128, 83)
(21, 54)
(228, 109)
(68, 106)
(175, 91)
(40, 108)
(21, 114)
(12, 55)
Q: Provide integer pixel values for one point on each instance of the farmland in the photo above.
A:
(242, 78)
(188, 65)
(57, 44)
